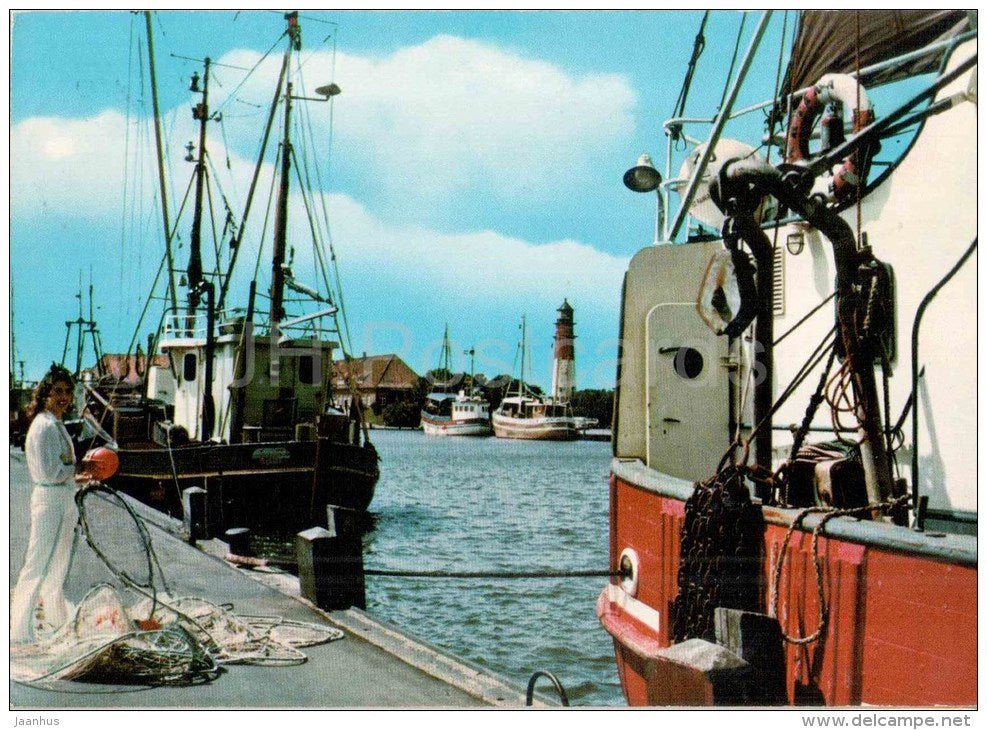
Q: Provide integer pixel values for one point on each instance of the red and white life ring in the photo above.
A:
(845, 90)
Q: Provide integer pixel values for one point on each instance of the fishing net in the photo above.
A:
(160, 638)
(184, 640)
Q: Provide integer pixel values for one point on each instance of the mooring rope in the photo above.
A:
(828, 514)
(508, 575)
(252, 562)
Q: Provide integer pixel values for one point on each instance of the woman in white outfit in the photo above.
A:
(51, 463)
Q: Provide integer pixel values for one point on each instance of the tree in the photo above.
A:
(496, 389)
(596, 404)
(406, 414)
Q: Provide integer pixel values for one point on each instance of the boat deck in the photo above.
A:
(372, 666)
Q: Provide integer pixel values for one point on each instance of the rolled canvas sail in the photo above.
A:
(826, 42)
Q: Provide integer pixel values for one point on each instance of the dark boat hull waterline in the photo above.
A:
(279, 485)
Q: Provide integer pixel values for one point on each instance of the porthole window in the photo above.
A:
(688, 363)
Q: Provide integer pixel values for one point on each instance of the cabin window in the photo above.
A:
(688, 363)
(306, 370)
(190, 366)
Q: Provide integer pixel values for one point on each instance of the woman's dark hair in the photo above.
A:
(57, 374)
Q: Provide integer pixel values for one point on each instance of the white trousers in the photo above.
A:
(46, 563)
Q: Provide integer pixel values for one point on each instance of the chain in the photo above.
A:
(720, 554)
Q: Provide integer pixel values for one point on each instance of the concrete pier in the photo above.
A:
(373, 666)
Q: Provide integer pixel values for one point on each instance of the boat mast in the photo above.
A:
(197, 286)
(85, 326)
(281, 219)
(472, 353)
(445, 360)
(161, 171)
(281, 212)
(524, 342)
(201, 113)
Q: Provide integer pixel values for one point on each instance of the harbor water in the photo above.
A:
(496, 505)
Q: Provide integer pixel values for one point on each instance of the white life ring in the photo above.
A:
(845, 90)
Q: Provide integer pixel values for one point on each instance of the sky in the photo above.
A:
(474, 174)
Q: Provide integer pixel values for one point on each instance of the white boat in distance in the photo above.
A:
(526, 415)
(455, 414)
(531, 417)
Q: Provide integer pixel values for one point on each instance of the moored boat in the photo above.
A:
(243, 408)
(780, 506)
(455, 414)
(458, 413)
(530, 415)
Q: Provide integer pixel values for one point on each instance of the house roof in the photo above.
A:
(124, 367)
(374, 372)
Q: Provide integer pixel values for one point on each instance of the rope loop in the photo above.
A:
(828, 514)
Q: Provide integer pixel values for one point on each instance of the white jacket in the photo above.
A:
(48, 447)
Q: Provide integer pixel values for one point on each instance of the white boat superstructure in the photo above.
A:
(448, 414)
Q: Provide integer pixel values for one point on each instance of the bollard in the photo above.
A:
(238, 540)
(330, 562)
(194, 513)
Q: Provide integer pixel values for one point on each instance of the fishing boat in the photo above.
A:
(458, 413)
(789, 522)
(243, 409)
(530, 415)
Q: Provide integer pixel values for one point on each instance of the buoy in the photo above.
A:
(101, 463)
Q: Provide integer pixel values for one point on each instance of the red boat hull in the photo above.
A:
(902, 624)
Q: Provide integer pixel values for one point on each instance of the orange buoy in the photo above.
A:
(101, 463)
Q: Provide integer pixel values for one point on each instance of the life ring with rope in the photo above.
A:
(841, 89)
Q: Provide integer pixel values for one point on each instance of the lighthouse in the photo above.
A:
(564, 371)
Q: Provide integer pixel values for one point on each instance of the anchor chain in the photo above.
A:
(721, 554)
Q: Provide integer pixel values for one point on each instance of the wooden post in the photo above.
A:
(330, 562)
(194, 514)
(238, 540)
(214, 505)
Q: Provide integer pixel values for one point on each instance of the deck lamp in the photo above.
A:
(328, 90)
(644, 178)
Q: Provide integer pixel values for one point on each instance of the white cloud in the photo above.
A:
(485, 263)
(454, 115)
(66, 164)
(440, 127)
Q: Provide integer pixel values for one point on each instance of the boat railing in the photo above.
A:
(674, 128)
(232, 321)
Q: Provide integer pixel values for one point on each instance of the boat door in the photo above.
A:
(688, 392)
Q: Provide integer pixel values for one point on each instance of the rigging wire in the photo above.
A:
(316, 241)
(698, 46)
(341, 302)
(773, 116)
(346, 341)
(804, 319)
(126, 152)
(267, 216)
(212, 220)
(733, 61)
(250, 72)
